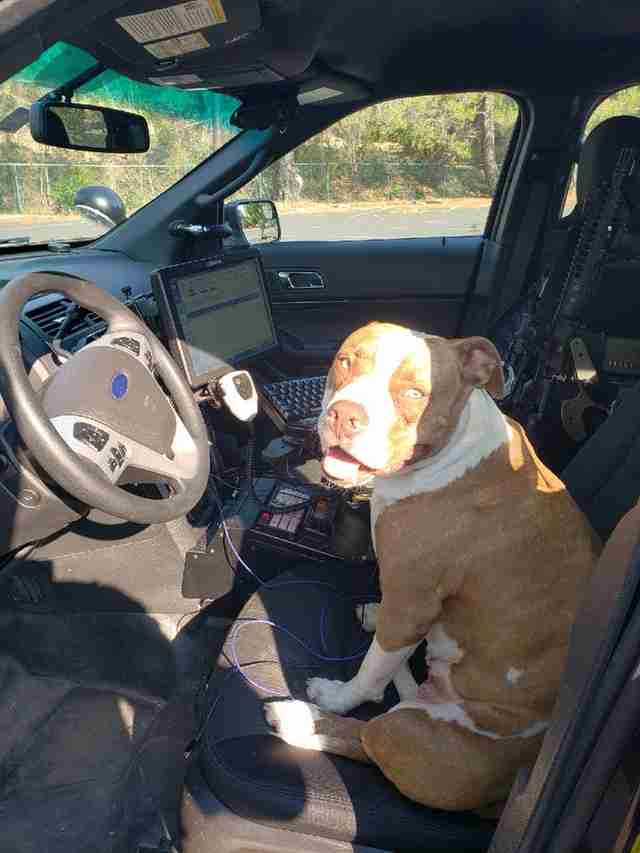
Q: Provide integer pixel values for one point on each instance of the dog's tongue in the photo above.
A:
(340, 465)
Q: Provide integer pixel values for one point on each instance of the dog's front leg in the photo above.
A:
(403, 680)
(377, 670)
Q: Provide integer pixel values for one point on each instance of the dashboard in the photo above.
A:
(213, 314)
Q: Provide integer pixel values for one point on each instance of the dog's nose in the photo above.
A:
(347, 419)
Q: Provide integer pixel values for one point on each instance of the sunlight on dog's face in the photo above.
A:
(377, 391)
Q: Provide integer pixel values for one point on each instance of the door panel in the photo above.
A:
(421, 283)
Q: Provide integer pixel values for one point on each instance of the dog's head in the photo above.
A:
(394, 396)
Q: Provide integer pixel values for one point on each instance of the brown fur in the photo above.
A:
(498, 558)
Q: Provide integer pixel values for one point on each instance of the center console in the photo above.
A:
(259, 538)
(216, 318)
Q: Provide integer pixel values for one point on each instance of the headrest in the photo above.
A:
(601, 149)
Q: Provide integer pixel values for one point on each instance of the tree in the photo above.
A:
(287, 181)
(486, 124)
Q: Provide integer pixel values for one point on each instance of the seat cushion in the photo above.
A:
(259, 777)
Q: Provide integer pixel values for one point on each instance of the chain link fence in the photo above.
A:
(33, 188)
(368, 180)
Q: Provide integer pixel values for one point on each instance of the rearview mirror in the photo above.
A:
(255, 221)
(87, 128)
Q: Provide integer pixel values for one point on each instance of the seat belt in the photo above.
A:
(605, 640)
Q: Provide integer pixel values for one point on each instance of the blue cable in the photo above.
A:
(274, 585)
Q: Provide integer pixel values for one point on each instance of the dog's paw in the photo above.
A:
(367, 615)
(330, 695)
(294, 722)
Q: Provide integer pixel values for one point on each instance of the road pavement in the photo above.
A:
(335, 225)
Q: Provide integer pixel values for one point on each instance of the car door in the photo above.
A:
(389, 227)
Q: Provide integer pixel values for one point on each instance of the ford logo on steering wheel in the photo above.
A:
(119, 386)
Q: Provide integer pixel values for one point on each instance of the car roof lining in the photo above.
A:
(412, 47)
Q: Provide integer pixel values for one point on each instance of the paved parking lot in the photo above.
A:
(334, 225)
(384, 224)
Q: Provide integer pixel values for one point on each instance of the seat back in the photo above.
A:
(604, 476)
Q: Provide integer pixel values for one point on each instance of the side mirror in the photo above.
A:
(82, 127)
(254, 221)
(100, 204)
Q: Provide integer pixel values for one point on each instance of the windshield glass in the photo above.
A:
(38, 183)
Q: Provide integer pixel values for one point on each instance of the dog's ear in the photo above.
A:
(480, 364)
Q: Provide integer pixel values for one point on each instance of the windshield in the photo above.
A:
(38, 183)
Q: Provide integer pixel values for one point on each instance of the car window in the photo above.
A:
(38, 183)
(626, 102)
(414, 167)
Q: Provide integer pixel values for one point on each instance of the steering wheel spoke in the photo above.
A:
(117, 455)
(179, 465)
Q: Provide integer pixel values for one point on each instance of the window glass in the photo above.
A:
(414, 167)
(38, 183)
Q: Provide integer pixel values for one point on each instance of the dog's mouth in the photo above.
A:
(342, 467)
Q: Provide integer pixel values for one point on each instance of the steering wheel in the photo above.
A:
(104, 413)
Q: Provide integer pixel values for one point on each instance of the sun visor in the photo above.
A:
(223, 44)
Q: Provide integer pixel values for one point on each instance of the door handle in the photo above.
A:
(301, 279)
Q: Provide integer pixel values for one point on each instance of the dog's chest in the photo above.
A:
(482, 429)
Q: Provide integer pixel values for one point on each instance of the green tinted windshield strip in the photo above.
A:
(63, 62)
(55, 66)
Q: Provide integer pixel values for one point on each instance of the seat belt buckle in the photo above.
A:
(583, 365)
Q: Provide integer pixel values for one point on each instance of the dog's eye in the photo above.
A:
(344, 362)
(414, 393)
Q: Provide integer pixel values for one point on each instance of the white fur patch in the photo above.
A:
(481, 430)
(405, 684)
(440, 646)
(452, 712)
(514, 675)
(294, 721)
(377, 670)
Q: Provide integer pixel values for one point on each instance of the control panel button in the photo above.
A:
(90, 435)
(118, 455)
(127, 343)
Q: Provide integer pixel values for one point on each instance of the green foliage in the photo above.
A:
(412, 148)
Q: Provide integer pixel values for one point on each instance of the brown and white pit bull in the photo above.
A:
(481, 551)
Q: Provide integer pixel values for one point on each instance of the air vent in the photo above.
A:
(48, 318)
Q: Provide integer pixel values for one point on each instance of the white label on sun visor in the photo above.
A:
(176, 80)
(315, 95)
(177, 46)
(174, 20)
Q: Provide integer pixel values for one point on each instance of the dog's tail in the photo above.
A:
(304, 725)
